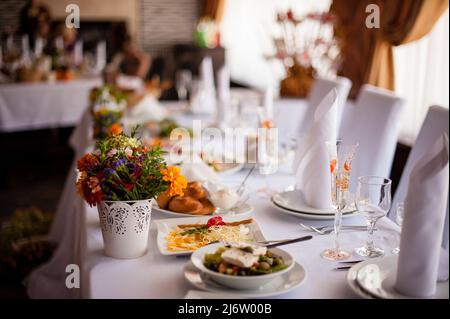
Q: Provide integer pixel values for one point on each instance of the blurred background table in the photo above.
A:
(30, 106)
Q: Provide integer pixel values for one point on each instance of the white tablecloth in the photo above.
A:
(158, 276)
(27, 106)
(77, 231)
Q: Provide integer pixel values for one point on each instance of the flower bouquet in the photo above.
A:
(107, 109)
(121, 177)
(307, 47)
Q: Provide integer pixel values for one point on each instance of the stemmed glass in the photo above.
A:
(267, 151)
(341, 157)
(400, 212)
(373, 200)
(183, 79)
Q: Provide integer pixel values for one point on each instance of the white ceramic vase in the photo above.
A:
(125, 226)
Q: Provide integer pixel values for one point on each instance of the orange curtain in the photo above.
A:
(213, 9)
(368, 53)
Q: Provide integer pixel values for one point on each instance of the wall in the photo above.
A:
(156, 24)
(166, 22)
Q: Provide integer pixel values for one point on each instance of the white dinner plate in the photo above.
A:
(278, 286)
(292, 200)
(241, 210)
(376, 278)
(164, 226)
(310, 215)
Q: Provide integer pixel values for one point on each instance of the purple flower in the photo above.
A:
(119, 162)
(109, 171)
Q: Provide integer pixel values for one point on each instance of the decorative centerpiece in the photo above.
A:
(108, 105)
(121, 177)
(307, 47)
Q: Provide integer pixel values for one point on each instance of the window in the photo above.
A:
(422, 77)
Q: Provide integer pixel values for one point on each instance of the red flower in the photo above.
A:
(128, 186)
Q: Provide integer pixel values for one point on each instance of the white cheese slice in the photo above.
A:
(256, 249)
(240, 258)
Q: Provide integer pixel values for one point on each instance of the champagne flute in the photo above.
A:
(267, 151)
(373, 200)
(341, 157)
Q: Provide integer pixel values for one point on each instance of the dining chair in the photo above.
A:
(373, 122)
(435, 124)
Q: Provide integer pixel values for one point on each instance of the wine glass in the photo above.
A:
(341, 157)
(373, 200)
(183, 79)
(400, 212)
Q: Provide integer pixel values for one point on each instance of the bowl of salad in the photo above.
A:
(242, 265)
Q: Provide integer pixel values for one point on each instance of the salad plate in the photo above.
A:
(233, 276)
(169, 230)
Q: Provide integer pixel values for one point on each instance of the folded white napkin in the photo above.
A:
(78, 53)
(197, 171)
(223, 84)
(100, 56)
(311, 162)
(205, 100)
(223, 114)
(425, 209)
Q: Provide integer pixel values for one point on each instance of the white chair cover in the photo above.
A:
(435, 124)
(373, 122)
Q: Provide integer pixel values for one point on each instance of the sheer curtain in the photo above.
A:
(247, 31)
(422, 76)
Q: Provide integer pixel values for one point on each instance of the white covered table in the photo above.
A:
(156, 276)
(28, 106)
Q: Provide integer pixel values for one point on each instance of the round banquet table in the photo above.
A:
(77, 231)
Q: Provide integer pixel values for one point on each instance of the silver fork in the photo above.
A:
(325, 230)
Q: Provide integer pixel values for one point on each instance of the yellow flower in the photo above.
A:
(178, 182)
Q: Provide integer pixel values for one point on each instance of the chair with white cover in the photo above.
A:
(297, 115)
(374, 123)
(435, 124)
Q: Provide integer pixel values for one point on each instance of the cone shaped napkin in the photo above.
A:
(425, 209)
(311, 162)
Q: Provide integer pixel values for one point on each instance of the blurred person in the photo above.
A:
(129, 60)
(34, 21)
